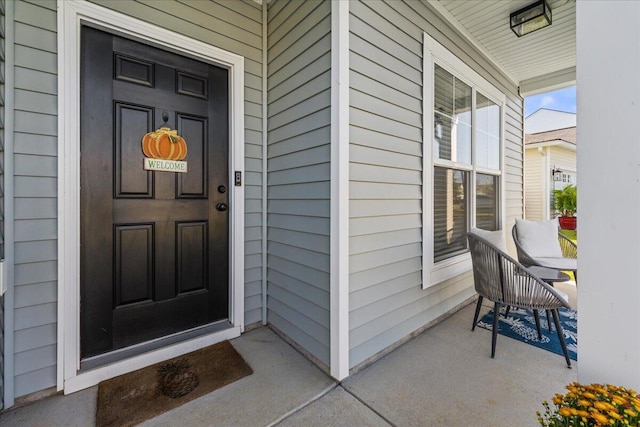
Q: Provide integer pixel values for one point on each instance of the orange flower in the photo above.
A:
(593, 405)
(601, 405)
(614, 414)
(619, 400)
(601, 419)
(584, 402)
(565, 411)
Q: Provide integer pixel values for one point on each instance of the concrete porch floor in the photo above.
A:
(443, 377)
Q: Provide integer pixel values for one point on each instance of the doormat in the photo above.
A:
(521, 325)
(137, 396)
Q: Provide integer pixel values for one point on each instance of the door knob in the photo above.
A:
(221, 207)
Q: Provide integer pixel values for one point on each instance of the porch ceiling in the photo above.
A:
(542, 60)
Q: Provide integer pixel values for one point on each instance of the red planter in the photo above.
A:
(568, 222)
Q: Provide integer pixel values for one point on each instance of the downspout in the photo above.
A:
(9, 83)
(264, 162)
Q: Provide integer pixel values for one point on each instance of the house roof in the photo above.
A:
(544, 119)
(566, 135)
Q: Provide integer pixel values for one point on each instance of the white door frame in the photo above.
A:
(71, 15)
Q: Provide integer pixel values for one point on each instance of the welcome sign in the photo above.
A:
(164, 165)
(164, 150)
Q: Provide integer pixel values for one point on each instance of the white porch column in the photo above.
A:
(339, 302)
(608, 92)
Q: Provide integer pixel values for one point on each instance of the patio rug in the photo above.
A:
(520, 324)
(134, 397)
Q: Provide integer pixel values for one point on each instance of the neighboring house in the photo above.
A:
(337, 154)
(544, 119)
(549, 164)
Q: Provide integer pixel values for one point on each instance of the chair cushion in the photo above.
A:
(539, 238)
(496, 238)
(558, 263)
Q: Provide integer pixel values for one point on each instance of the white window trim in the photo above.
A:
(71, 15)
(434, 52)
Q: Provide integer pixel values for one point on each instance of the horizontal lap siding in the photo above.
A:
(534, 185)
(239, 30)
(35, 170)
(386, 300)
(563, 159)
(299, 88)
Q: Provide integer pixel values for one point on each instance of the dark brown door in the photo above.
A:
(154, 245)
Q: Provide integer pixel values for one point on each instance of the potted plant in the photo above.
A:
(566, 202)
(592, 405)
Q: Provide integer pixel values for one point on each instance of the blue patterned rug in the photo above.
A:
(521, 325)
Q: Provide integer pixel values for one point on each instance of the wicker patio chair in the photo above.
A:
(568, 262)
(506, 282)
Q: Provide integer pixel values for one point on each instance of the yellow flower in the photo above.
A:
(619, 400)
(565, 411)
(593, 405)
(584, 402)
(600, 418)
(614, 414)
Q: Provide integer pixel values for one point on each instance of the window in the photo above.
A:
(463, 122)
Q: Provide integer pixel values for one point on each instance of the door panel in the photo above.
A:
(134, 268)
(131, 180)
(194, 184)
(154, 249)
(191, 256)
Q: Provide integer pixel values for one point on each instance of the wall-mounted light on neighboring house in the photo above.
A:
(557, 174)
(530, 18)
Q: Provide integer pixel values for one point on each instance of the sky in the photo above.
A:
(561, 100)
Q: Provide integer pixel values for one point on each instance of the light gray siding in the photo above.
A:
(35, 170)
(299, 98)
(234, 26)
(385, 296)
(534, 184)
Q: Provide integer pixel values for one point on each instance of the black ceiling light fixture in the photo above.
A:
(530, 18)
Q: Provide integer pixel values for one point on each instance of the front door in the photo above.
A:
(154, 245)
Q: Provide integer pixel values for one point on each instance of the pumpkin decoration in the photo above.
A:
(165, 144)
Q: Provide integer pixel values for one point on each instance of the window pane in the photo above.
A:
(449, 212)
(451, 141)
(487, 133)
(443, 93)
(487, 202)
(463, 102)
(452, 118)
